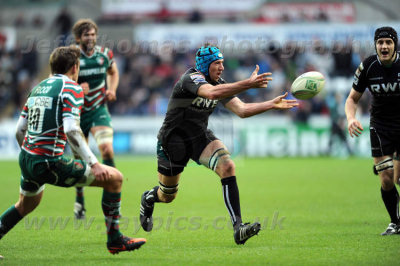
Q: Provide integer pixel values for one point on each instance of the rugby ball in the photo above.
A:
(307, 85)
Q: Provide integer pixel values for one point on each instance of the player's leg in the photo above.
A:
(111, 205)
(396, 169)
(384, 166)
(165, 192)
(27, 202)
(31, 191)
(104, 139)
(383, 148)
(216, 157)
(101, 129)
(169, 172)
(82, 175)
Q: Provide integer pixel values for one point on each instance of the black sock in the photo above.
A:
(8, 219)
(152, 196)
(231, 198)
(391, 200)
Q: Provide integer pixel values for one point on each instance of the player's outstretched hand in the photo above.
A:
(355, 128)
(100, 172)
(281, 103)
(111, 96)
(259, 80)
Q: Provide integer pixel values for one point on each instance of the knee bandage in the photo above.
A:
(216, 156)
(104, 136)
(386, 164)
(169, 190)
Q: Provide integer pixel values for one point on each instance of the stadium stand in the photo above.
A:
(147, 77)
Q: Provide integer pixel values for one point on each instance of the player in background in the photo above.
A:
(380, 74)
(50, 117)
(184, 134)
(99, 79)
(335, 103)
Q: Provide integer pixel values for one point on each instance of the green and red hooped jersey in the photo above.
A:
(48, 104)
(93, 70)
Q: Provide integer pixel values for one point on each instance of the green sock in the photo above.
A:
(109, 162)
(111, 203)
(79, 196)
(8, 219)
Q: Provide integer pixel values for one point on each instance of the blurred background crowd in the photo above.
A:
(147, 77)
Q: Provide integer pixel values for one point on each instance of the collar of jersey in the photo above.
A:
(63, 77)
(87, 56)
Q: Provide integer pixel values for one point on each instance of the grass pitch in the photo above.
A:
(314, 211)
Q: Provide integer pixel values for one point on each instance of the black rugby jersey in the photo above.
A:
(187, 110)
(384, 84)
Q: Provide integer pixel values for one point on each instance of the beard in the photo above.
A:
(88, 48)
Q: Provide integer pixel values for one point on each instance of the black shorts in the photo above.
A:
(384, 142)
(175, 150)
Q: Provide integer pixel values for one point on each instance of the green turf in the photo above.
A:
(315, 211)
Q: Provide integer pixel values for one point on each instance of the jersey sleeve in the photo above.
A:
(110, 56)
(359, 80)
(72, 100)
(193, 81)
(24, 112)
(227, 99)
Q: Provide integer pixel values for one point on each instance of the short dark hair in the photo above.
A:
(63, 58)
(83, 25)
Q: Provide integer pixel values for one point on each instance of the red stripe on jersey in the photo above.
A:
(77, 95)
(42, 151)
(61, 133)
(44, 142)
(91, 103)
(73, 83)
(50, 134)
(103, 91)
(24, 112)
(68, 103)
(66, 109)
(110, 54)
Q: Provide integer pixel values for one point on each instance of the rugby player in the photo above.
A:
(380, 73)
(50, 117)
(185, 135)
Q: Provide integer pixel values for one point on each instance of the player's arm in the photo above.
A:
(77, 141)
(22, 125)
(79, 146)
(72, 98)
(353, 125)
(112, 82)
(222, 91)
(244, 110)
